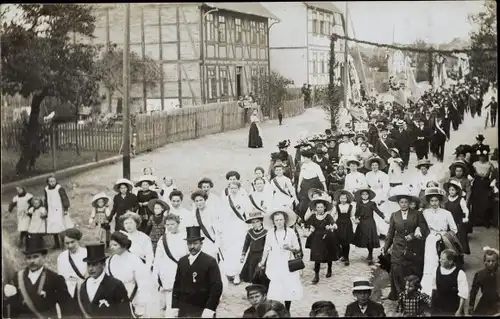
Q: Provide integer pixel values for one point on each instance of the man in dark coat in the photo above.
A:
(384, 144)
(493, 105)
(100, 295)
(36, 289)
(198, 286)
(441, 135)
(363, 306)
(421, 137)
(402, 138)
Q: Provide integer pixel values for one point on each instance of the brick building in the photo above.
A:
(208, 51)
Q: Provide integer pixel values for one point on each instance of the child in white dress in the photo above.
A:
(20, 203)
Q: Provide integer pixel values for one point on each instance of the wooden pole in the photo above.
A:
(346, 53)
(331, 84)
(363, 74)
(126, 95)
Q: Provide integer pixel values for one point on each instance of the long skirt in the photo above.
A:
(480, 201)
(366, 234)
(248, 270)
(254, 139)
(431, 261)
(304, 200)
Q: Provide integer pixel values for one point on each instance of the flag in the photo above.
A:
(399, 96)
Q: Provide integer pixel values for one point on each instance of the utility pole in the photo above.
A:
(126, 95)
(346, 53)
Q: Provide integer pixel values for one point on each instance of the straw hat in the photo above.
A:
(423, 162)
(380, 161)
(101, 195)
(401, 191)
(146, 178)
(394, 150)
(346, 133)
(154, 201)
(256, 214)
(435, 191)
(350, 159)
(311, 193)
(337, 194)
(455, 184)
(322, 199)
(292, 217)
(361, 283)
(461, 164)
(357, 194)
(124, 181)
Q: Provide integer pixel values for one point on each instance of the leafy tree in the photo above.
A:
(484, 63)
(270, 91)
(39, 59)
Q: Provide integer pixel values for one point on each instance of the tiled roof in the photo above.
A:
(253, 8)
(323, 5)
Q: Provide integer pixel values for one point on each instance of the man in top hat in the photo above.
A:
(198, 285)
(363, 306)
(256, 294)
(36, 289)
(401, 137)
(100, 295)
(421, 137)
(493, 105)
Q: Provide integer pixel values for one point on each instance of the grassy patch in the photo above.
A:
(44, 164)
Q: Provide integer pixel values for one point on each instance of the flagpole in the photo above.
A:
(346, 52)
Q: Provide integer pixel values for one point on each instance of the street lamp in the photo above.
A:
(203, 19)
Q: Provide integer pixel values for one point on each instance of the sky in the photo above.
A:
(431, 21)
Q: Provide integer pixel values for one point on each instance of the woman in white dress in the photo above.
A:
(232, 176)
(130, 269)
(281, 244)
(261, 198)
(166, 258)
(439, 221)
(283, 190)
(421, 178)
(235, 209)
(57, 205)
(207, 185)
(70, 262)
(354, 180)
(141, 243)
(21, 203)
(378, 181)
(185, 215)
(347, 148)
(260, 173)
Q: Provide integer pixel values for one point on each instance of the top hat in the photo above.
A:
(361, 283)
(380, 161)
(101, 195)
(35, 245)
(150, 179)
(95, 253)
(123, 181)
(193, 233)
(154, 201)
(256, 214)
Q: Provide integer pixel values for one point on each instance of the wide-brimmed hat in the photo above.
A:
(361, 283)
(435, 191)
(99, 196)
(154, 201)
(480, 137)
(95, 253)
(337, 194)
(400, 123)
(360, 135)
(325, 199)
(345, 133)
(309, 153)
(193, 233)
(123, 181)
(291, 216)
(357, 194)
(459, 163)
(283, 144)
(400, 191)
(455, 184)
(150, 179)
(394, 150)
(35, 245)
(205, 180)
(463, 149)
(423, 162)
(256, 214)
(350, 159)
(380, 161)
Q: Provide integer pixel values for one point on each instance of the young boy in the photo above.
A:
(363, 306)
(280, 115)
(256, 294)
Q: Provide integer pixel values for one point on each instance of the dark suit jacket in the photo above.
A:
(426, 133)
(374, 310)
(250, 312)
(54, 289)
(113, 291)
(402, 140)
(190, 297)
(438, 133)
(383, 151)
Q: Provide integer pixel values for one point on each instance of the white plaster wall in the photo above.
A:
(291, 63)
(291, 31)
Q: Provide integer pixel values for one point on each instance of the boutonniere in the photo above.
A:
(103, 302)
(238, 207)
(194, 276)
(43, 293)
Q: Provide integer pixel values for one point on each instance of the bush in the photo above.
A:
(270, 91)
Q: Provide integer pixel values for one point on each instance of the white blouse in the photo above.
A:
(379, 183)
(419, 182)
(395, 171)
(355, 181)
(347, 149)
(64, 268)
(439, 220)
(142, 247)
(311, 170)
(263, 200)
(163, 267)
(186, 216)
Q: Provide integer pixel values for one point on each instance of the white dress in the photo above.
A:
(439, 221)
(64, 268)
(38, 225)
(262, 200)
(419, 182)
(186, 216)
(355, 181)
(280, 198)
(395, 171)
(346, 150)
(165, 268)
(142, 247)
(22, 205)
(234, 231)
(57, 222)
(379, 183)
(284, 285)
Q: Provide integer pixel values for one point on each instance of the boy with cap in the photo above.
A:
(256, 294)
(36, 289)
(363, 306)
(100, 295)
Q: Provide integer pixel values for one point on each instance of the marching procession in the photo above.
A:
(164, 252)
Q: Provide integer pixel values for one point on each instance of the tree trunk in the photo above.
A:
(30, 149)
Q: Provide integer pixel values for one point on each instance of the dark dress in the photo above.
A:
(480, 200)
(373, 309)
(303, 197)
(120, 207)
(254, 244)
(155, 229)
(254, 139)
(345, 232)
(143, 211)
(458, 215)
(445, 299)
(325, 165)
(337, 182)
(489, 282)
(323, 243)
(366, 235)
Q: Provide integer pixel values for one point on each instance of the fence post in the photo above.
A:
(223, 116)
(54, 149)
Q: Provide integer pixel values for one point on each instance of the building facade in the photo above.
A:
(300, 43)
(208, 51)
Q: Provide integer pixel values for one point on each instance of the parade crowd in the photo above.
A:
(160, 252)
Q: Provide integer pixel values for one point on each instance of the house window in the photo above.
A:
(315, 63)
(246, 30)
(314, 22)
(332, 23)
(224, 83)
(338, 19)
(321, 23)
(210, 27)
(238, 35)
(322, 63)
(212, 83)
(325, 63)
(222, 29)
(253, 32)
(263, 34)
